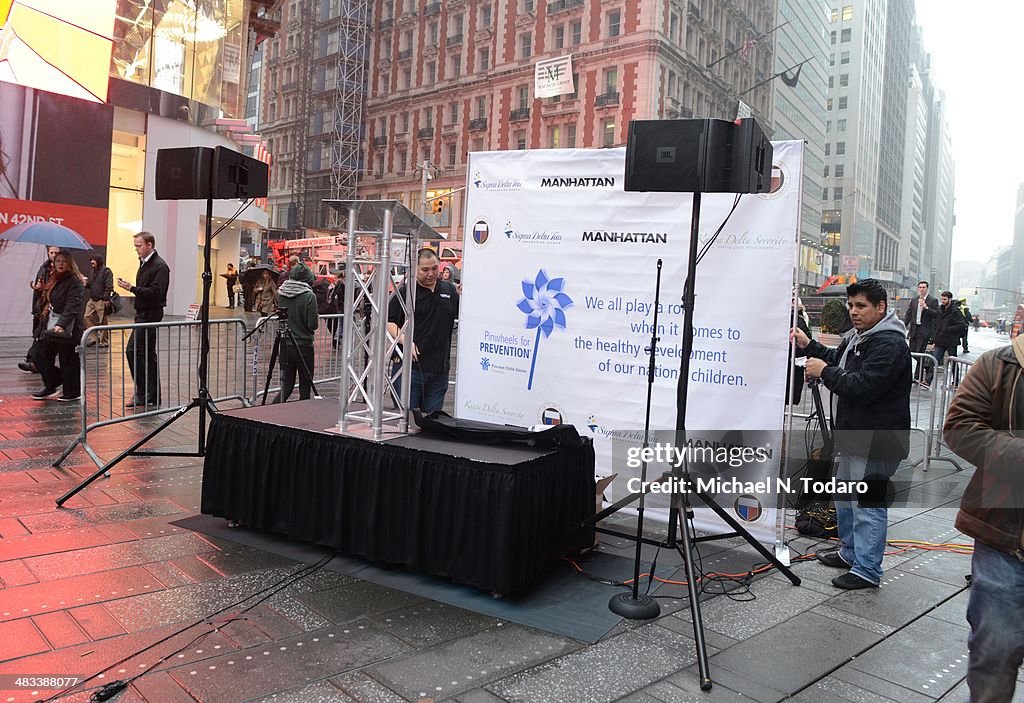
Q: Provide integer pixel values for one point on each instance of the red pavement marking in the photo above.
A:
(97, 622)
(20, 638)
(15, 573)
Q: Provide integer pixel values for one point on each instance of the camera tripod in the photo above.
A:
(283, 336)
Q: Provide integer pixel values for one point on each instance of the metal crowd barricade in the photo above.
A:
(956, 369)
(108, 388)
(328, 359)
(923, 405)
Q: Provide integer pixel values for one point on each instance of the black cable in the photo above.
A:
(245, 204)
(112, 688)
(707, 246)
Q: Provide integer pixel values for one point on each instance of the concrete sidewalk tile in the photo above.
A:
(453, 668)
(725, 680)
(50, 543)
(60, 629)
(360, 687)
(11, 527)
(15, 573)
(96, 622)
(319, 692)
(901, 598)
(428, 623)
(870, 684)
(603, 672)
(20, 638)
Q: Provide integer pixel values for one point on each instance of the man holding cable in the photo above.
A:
(870, 374)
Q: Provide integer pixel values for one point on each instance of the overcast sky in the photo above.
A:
(976, 54)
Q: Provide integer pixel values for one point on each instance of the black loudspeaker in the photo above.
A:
(239, 176)
(698, 156)
(183, 174)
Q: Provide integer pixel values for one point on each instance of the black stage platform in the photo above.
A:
(483, 515)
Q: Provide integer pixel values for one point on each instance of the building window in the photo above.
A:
(406, 78)
(837, 193)
(481, 107)
(405, 123)
(453, 113)
(840, 170)
(553, 137)
(575, 86)
(843, 102)
(614, 23)
(570, 136)
(434, 33)
(824, 193)
(478, 144)
(389, 9)
(608, 132)
(431, 72)
(456, 66)
(828, 103)
(835, 16)
(403, 161)
(831, 82)
(841, 125)
(840, 148)
(528, 6)
(845, 35)
(453, 154)
(520, 139)
(576, 29)
(611, 80)
(832, 60)
(825, 172)
(428, 117)
(844, 58)
(525, 46)
(380, 164)
(828, 149)
(847, 13)
(844, 80)
(485, 16)
(484, 58)
(832, 37)
(524, 97)
(458, 24)
(828, 126)
(558, 38)
(425, 154)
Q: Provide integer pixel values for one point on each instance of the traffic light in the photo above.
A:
(437, 206)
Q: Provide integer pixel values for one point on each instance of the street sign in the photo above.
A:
(849, 264)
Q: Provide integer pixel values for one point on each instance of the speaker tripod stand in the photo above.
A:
(632, 605)
(284, 336)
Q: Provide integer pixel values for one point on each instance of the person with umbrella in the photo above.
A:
(62, 323)
(55, 237)
(265, 290)
(38, 285)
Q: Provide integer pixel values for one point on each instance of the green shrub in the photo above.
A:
(833, 315)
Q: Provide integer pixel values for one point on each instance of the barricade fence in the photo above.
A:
(108, 357)
(924, 404)
(956, 369)
(327, 357)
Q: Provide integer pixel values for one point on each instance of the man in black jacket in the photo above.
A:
(968, 318)
(150, 291)
(101, 285)
(870, 375)
(920, 320)
(949, 328)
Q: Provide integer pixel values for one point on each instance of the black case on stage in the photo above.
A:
(442, 423)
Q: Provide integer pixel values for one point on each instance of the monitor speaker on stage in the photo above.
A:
(183, 173)
(199, 172)
(698, 156)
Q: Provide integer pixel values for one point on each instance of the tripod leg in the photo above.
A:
(270, 368)
(303, 367)
(686, 552)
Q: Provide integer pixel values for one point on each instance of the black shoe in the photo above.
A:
(852, 582)
(69, 399)
(45, 394)
(27, 367)
(832, 559)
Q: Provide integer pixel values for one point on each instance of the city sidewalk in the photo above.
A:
(110, 574)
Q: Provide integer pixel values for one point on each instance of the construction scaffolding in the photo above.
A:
(304, 47)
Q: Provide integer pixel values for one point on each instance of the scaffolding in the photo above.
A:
(305, 112)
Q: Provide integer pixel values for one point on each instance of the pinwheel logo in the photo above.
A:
(544, 302)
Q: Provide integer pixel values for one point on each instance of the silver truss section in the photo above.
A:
(383, 240)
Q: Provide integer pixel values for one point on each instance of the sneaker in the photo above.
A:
(69, 399)
(27, 367)
(832, 559)
(852, 582)
(45, 393)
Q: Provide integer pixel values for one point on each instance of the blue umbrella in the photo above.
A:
(48, 233)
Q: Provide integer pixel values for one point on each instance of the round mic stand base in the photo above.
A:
(641, 607)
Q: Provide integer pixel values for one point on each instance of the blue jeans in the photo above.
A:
(939, 353)
(862, 529)
(995, 612)
(428, 390)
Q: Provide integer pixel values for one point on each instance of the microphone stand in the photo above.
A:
(633, 605)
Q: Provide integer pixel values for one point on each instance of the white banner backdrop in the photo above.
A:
(559, 284)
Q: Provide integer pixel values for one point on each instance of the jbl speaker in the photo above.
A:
(236, 175)
(698, 156)
(184, 173)
(199, 172)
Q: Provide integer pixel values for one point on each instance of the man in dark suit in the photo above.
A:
(920, 319)
(150, 291)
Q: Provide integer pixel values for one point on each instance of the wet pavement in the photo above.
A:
(95, 586)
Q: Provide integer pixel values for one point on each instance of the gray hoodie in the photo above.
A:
(888, 323)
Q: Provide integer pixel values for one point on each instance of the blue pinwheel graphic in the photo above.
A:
(544, 305)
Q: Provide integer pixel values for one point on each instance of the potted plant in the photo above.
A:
(833, 315)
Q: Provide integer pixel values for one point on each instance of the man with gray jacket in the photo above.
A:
(296, 299)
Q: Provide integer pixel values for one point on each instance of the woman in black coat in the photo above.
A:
(65, 305)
